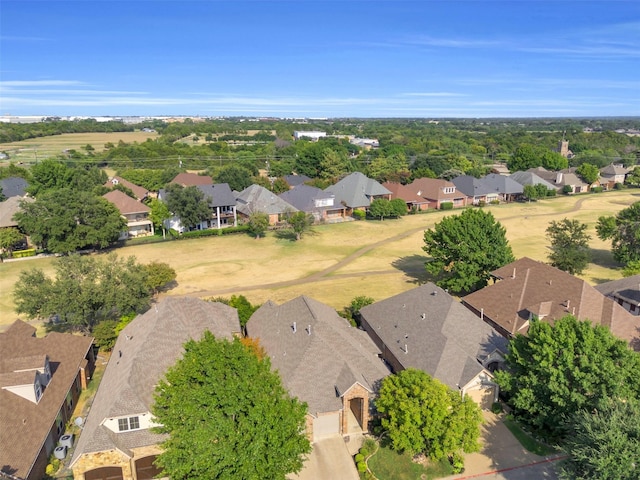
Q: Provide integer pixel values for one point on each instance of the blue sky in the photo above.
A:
(320, 58)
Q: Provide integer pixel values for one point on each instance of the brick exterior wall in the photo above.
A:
(356, 391)
(113, 458)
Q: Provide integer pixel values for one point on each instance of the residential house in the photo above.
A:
(408, 195)
(526, 288)
(8, 209)
(315, 201)
(222, 204)
(134, 212)
(501, 188)
(295, 180)
(40, 382)
(117, 441)
(438, 191)
(140, 193)
(323, 361)
(427, 329)
(13, 187)
(477, 191)
(625, 291)
(612, 174)
(192, 179)
(530, 178)
(356, 192)
(255, 198)
(561, 179)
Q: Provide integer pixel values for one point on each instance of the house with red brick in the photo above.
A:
(40, 381)
(135, 213)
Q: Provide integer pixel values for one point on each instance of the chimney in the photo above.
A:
(295, 327)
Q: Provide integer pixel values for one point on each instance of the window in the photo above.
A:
(129, 423)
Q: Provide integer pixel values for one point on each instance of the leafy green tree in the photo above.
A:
(244, 308)
(569, 249)
(589, 173)
(465, 249)
(300, 223)
(66, 220)
(556, 371)
(279, 185)
(553, 161)
(352, 312)
(159, 274)
(105, 334)
(8, 238)
(604, 443)
(227, 416)
(633, 177)
(85, 291)
(333, 164)
(394, 167)
(398, 207)
(188, 204)
(632, 268)
(623, 230)
(159, 214)
(380, 208)
(238, 177)
(258, 224)
(422, 415)
(530, 192)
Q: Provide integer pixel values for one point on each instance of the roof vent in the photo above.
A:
(406, 349)
(309, 330)
(294, 327)
(423, 316)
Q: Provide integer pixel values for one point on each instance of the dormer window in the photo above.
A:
(128, 423)
(38, 391)
(449, 189)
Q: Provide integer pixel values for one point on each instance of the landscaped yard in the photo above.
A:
(389, 465)
(341, 261)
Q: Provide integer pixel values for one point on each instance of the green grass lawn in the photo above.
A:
(389, 465)
(526, 440)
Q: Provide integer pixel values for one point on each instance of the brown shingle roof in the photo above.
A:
(192, 180)
(138, 191)
(527, 287)
(125, 204)
(24, 425)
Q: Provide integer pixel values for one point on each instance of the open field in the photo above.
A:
(29, 151)
(341, 261)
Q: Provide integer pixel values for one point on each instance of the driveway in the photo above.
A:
(329, 460)
(503, 458)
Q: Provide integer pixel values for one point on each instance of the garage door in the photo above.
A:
(483, 396)
(326, 425)
(104, 473)
(145, 468)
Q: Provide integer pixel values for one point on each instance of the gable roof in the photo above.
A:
(356, 190)
(426, 328)
(320, 365)
(24, 425)
(528, 287)
(530, 178)
(13, 186)
(256, 198)
(125, 204)
(471, 186)
(627, 289)
(294, 180)
(140, 192)
(613, 169)
(192, 179)
(501, 184)
(303, 197)
(218, 194)
(9, 208)
(145, 349)
(435, 189)
(560, 178)
(403, 192)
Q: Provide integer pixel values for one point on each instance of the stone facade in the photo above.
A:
(113, 458)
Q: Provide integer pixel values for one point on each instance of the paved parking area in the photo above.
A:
(329, 460)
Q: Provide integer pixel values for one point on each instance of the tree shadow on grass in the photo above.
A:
(285, 234)
(413, 266)
(603, 258)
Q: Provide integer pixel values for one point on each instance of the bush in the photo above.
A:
(496, 407)
(597, 189)
(362, 467)
(457, 462)
(618, 186)
(446, 206)
(495, 202)
(482, 203)
(105, 334)
(364, 452)
(359, 458)
(567, 189)
(359, 215)
(30, 252)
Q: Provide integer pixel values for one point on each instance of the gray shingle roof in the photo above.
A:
(501, 184)
(255, 198)
(218, 194)
(356, 190)
(627, 288)
(530, 178)
(448, 343)
(295, 180)
(319, 367)
(303, 198)
(13, 186)
(471, 186)
(144, 351)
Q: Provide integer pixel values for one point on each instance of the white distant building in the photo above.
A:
(312, 135)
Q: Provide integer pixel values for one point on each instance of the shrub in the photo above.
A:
(618, 186)
(597, 189)
(362, 467)
(359, 458)
(457, 462)
(495, 202)
(482, 203)
(359, 214)
(370, 444)
(496, 407)
(567, 189)
(24, 253)
(446, 206)
(364, 452)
